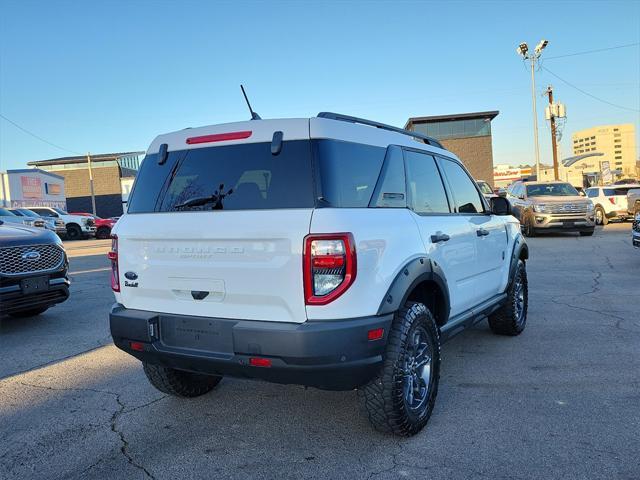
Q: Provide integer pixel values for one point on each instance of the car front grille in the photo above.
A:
(636, 226)
(566, 208)
(30, 259)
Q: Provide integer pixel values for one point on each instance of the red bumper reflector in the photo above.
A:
(375, 334)
(219, 137)
(137, 346)
(259, 362)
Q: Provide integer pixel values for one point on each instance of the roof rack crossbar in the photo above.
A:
(346, 118)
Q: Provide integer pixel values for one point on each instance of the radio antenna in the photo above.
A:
(254, 115)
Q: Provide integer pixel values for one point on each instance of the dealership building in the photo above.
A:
(468, 135)
(113, 174)
(32, 187)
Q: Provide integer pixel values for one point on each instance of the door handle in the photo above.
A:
(481, 232)
(440, 237)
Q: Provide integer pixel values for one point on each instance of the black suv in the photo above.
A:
(33, 270)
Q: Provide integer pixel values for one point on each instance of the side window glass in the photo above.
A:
(592, 193)
(390, 191)
(516, 190)
(465, 194)
(424, 184)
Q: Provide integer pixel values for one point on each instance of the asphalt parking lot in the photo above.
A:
(562, 400)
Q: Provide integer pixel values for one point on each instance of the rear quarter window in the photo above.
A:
(348, 172)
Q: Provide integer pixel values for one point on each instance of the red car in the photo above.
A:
(103, 225)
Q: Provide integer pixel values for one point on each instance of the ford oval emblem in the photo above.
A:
(31, 256)
(131, 276)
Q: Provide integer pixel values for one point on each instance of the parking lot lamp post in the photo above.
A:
(523, 51)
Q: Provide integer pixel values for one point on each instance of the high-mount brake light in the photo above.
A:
(113, 256)
(219, 137)
(329, 266)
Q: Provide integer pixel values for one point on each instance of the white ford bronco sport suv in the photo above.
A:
(332, 252)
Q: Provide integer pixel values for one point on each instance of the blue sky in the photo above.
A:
(109, 76)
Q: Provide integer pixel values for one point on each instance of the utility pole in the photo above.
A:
(554, 146)
(93, 195)
(523, 51)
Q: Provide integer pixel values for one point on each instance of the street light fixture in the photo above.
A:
(523, 51)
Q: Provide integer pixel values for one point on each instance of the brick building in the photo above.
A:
(109, 170)
(468, 135)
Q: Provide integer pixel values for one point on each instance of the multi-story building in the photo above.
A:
(111, 175)
(468, 135)
(616, 145)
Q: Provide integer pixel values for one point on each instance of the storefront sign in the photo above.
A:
(31, 187)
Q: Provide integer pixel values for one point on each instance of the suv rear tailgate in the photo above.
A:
(235, 264)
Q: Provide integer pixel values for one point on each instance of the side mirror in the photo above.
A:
(582, 194)
(500, 206)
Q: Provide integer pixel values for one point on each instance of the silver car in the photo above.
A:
(54, 224)
(9, 217)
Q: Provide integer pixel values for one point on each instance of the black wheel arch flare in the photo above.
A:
(415, 272)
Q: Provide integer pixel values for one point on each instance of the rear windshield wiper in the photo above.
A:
(216, 199)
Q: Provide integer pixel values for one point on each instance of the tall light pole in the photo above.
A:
(523, 51)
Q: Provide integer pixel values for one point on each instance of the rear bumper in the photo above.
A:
(618, 214)
(332, 354)
(13, 300)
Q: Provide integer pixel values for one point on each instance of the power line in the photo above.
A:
(594, 51)
(587, 93)
(38, 137)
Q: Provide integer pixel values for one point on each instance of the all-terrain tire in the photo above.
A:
(178, 382)
(511, 318)
(32, 312)
(383, 399)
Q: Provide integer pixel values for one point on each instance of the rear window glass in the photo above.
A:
(348, 172)
(609, 192)
(233, 177)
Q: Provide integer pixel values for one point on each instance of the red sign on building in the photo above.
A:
(31, 187)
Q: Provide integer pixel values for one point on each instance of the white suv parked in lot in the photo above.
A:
(610, 202)
(332, 252)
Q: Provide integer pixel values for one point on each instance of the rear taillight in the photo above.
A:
(113, 256)
(612, 200)
(329, 263)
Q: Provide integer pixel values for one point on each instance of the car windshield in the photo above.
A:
(551, 190)
(61, 212)
(485, 188)
(6, 213)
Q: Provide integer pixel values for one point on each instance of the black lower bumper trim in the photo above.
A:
(332, 354)
(15, 301)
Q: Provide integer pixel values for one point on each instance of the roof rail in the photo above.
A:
(346, 118)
